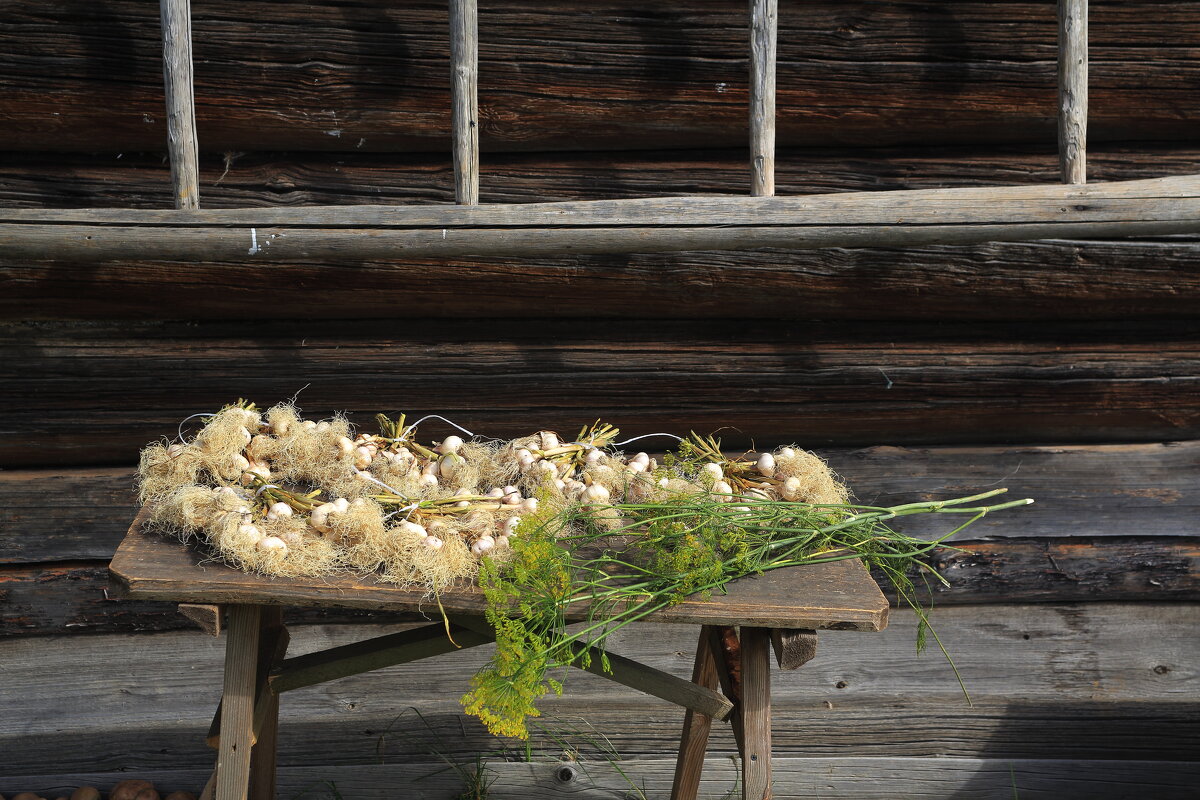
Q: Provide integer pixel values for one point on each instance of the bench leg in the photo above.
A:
(694, 741)
(272, 647)
(755, 711)
(237, 703)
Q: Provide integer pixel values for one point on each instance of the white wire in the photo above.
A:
(409, 509)
(266, 486)
(373, 479)
(410, 428)
(647, 436)
(179, 431)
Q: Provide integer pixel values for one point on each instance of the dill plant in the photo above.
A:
(662, 553)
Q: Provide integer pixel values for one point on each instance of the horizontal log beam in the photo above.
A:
(1163, 206)
(1147, 489)
(617, 74)
(65, 598)
(105, 389)
(1058, 279)
(1098, 680)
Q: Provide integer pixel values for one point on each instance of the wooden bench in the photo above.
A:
(783, 609)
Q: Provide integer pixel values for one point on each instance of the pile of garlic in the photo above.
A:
(277, 494)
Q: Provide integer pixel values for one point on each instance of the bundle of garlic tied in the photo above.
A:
(538, 524)
(272, 493)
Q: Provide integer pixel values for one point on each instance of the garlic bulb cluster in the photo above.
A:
(275, 493)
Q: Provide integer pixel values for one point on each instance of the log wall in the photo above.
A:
(1066, 370)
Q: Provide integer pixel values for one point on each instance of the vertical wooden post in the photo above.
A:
(237, 703)
(764, 19)
(181, 102)
(1072, 89)
(464, 94)
(272, 647)
(689, 764)
(756, 713)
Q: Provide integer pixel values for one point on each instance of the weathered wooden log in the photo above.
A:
(862, 219)
(1073, 89)
(181, 102)
(464, 92)
(991, 281)
(1098, 680)
(103, 390)
(1127, 490)
(72, 596)
(764, 34)
(604, 74)
(832, 777)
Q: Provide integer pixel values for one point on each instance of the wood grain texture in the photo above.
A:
(74, 597)
(464, 98)
(693, 741)
(812, 383)
(1073, 89)
(837, 595)
(1061, 279)
(833, 778)
(793, 648)
(1084, 490)
(755, 709)
(764, 35)
(237, 701)
(605, 74)
(1094, 681)
(182, 147)
(1156, 207)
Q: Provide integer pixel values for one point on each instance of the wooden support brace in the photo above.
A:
(352, 659)
(464, 92)
(372, 654)
(272, 647)
(628, 672)
(181, 103)
(207, 616)
(794, 647)
(1073, 89)
(693, 742)
(726, 650)
(764, 23)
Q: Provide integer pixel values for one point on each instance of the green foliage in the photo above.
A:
(662, 553)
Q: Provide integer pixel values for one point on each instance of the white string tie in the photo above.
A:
(266, 486)
(647, 436)
(373, 479)
(410, 428)
(179, 431)
(408, 509)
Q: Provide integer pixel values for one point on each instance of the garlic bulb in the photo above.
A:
(247, 437)
(713, 471)
(529, 505)
(280, 427)
(272, 543)
(427, 479)
(766, 464)
(593, 456)
(641, 458)
(250, 532)
(411, 527)
(550, 440)
(345, 445)
(723, 491)
(433, 542)
(596, 494)
(319, 518)
(496, 493)
(450, 444)
(175, 450)
(341, 505)
(510, 525)
(450, 464)
(279, 511)
(482, 545)
(322, 426)
(791, 489)
(787, 452)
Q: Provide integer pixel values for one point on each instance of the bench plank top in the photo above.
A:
(839, 595)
